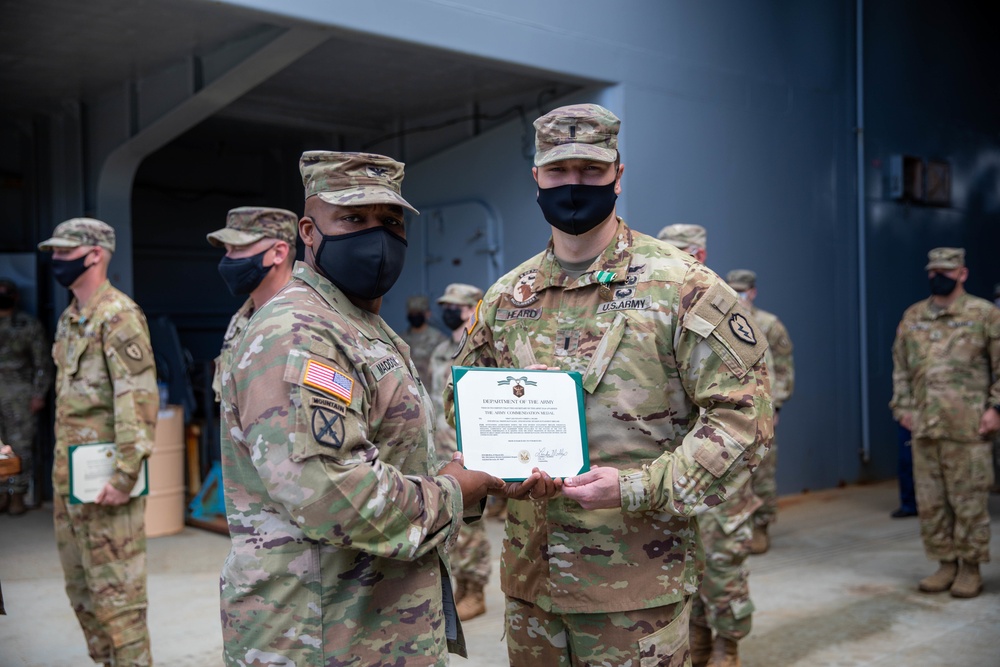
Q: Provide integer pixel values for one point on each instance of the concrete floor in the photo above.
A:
(837, 589)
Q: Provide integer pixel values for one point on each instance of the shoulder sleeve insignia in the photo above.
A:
(328, 379)
(327, 427)
(133, 351)
(742, 329)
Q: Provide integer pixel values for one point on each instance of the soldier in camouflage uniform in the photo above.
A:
(677, 407)
(723, 603)
(692, 239)
(421, 336)
(781, 366)
(338, 522)
(25, 377)
(252, 235)
(470, 559)
(105, 393)
(946, 391)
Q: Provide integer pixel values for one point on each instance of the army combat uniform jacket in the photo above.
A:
(676, 398)
(24, 357)
(946, 369)
(105, 384)
(338, 530)
(780, 365)
(237, 323)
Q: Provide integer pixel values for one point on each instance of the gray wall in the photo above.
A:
(932, 90)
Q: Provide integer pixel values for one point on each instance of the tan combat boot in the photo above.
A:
(701, 644)
(474, 602)
(760, 542)
(17, 506)
(940, 580)
(460, 589)
(4, 500)
(968, 583)
(725, 653)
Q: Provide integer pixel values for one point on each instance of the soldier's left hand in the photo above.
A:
(989, 423)
(109, 495)
(595, 489)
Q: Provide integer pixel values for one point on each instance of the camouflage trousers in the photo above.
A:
(17, 429)
(657, 636)
(103, 554)
(953, 481)
(470, 557)
(765, 487)
(723, 600)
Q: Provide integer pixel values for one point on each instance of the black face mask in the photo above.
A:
(452, 318)
(243, 275)
(942, 285)
(66, 271)
(362, 264)
(576, 209)
(416, 320)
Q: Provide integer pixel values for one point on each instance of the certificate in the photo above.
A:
(91, 467)
(510, 420)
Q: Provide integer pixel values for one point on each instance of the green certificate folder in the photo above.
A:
(91, 467)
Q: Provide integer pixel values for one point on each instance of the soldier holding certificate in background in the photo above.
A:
(105, 393)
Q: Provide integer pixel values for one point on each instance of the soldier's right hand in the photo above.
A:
(475, 484)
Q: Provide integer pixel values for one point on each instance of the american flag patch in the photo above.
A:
(328, 379)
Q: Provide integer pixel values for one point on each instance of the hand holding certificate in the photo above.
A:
(511, 421)
(90, 469)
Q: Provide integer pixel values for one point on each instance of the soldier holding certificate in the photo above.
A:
(105, 393)
(677, 402)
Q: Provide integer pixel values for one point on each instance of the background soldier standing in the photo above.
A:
(692, 239)
(105, 392)
(252, 236)
(723, 603)
(470, 557)
(338, 521)
(781, 368)
(946, 390)
(604, 572)
(25, 377)
(421, 336)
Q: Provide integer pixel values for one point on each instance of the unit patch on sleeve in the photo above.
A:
(328, 379)
(327, 427)
(741, 327)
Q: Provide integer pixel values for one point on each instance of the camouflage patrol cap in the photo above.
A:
(353, 179)
(684, 236)
(586, 131)
(461, 294)
(741, 279)
(248, 224)
(945, 258)
(76, 232)
(418, 303)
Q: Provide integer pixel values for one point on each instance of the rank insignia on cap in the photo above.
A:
(328, 379)
(742, 329)
(376, 172)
